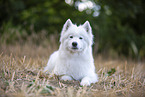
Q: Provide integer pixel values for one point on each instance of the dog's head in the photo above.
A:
(76, 38)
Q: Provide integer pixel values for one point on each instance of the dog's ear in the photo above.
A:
(87, 27)
(67, 24)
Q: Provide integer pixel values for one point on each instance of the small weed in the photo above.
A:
(112, 71)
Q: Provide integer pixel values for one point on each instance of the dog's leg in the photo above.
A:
(66, 77)
(85, 81)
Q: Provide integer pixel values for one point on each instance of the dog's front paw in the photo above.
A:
(85, 82)
(65, 78)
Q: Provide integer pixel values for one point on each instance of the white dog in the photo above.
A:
(74, 58)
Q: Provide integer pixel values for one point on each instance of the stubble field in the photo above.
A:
(21, 75)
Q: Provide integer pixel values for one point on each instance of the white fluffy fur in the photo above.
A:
(74, 63)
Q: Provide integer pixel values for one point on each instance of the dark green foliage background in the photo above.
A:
(122, 31)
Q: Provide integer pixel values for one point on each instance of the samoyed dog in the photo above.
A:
(74, 60)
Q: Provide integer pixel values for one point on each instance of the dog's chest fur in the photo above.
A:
(78, 66)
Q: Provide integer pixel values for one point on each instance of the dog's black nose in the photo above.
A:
(74, 44)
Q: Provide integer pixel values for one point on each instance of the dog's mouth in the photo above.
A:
(74, 48)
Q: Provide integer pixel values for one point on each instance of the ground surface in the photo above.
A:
(21, 75)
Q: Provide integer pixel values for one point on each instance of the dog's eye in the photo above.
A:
(80, 37)
(71, 36)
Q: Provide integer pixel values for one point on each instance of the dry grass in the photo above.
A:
(21, 75)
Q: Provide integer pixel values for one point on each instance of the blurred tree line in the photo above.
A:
(118, 25)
